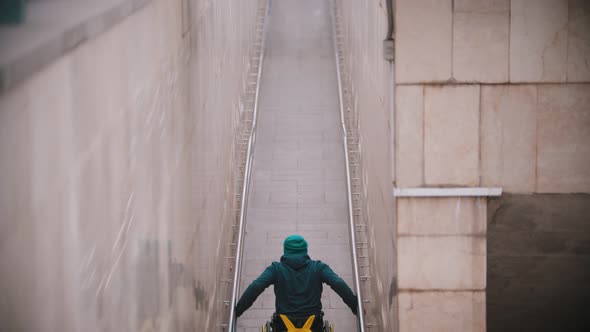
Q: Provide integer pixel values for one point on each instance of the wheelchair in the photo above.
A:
(267, 327)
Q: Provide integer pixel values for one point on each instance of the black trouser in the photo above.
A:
(279, 326)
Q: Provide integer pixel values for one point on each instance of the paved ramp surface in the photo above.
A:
(298, 180)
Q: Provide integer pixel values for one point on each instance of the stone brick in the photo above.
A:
(441, 216)
(509, 137)
(451, 137)
(578, 53)
(442, 311)
(482, 6)
(538, 40)
(563, 134)
(410, 136)
(447, 262)
(423, 54)
(480, 43)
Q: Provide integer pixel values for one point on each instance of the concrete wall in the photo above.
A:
(368, 80)
(117, 165)
(488, 93)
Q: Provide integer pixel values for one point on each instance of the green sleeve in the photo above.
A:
(254, 290)
(339, 286)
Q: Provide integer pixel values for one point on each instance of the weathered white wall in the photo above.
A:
(117, 172)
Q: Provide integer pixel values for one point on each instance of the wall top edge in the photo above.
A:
(53, 28)
(440, 84)
(447, 192)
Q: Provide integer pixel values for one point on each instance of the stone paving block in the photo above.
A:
(304, 201)
(578, 52)
(261, 174)
(316, 196)
(335, 185)
(423, 54)
(258, 198)
(480, 42)
(442, 311)
(332, 229)
(285, 145)
(321, 215)
(265, 213)
(509, 137)
(288, 227)
(538, 40)
(333, 154)
(449, 262)
(310, 154)
(410, 136)
(451, 135)
(339, 235)
(260, 250)
(305, 185)
(257, 314)
(272, 186)
(304, 164)
(279, 154)
(283, 198)
(297, 175)
(278, 164)
(334, 173)
(255, 267)
(441, 216)
(335, 197)
(563, 156)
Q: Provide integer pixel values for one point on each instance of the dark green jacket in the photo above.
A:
(298, 287)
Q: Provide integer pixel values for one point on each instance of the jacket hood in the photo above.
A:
(295, 261)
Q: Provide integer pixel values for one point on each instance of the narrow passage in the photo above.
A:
(298, 182)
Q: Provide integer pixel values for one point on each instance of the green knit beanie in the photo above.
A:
(295, 245)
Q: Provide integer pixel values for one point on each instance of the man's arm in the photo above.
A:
(254, 290)
(339, 286)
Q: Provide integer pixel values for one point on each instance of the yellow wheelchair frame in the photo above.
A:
(328, 327)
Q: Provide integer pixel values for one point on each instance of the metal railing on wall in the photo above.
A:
(246, 178)
(352, 227)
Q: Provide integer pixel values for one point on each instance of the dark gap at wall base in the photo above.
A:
(538, 260)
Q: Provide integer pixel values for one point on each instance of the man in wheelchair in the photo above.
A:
(297, 281)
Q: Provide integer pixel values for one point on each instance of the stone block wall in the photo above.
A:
(506, 125)
(442, 263)
(487, 94)
(117, 166)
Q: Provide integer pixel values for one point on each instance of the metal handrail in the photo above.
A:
(246, 187)
(360, 313)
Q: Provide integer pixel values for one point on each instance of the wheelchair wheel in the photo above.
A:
(266, 327)
(328, 327)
